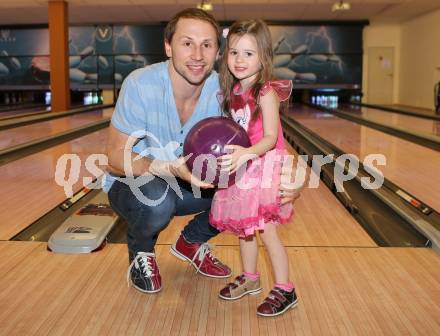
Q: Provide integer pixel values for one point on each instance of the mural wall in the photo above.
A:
(311, 56)
(102, 56)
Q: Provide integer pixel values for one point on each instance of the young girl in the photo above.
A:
(252, 204)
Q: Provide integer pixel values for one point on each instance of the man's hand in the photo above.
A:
(179, 169)
(288, 194)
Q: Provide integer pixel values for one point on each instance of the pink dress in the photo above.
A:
(253, 200)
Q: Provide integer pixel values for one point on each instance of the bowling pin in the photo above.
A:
(94, 98)
(281, 60)
(74, 61)
(284, 73)
(90, 98)
(4, 71)
(15, 63)
(123, 59)
(140, 59)
(307, 77)
(103, 63)
(92, 77)
(318, 59)
(77, 75)
(334, 58)
(302, 49)
(118, 77)
(87, 98)
(225, 32)
(87, 51)
(48, 98)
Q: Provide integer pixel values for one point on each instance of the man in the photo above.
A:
(158, 105)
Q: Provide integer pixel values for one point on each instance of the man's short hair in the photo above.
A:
(191, 13)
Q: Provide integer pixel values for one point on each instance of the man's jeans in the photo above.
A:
(146, 222)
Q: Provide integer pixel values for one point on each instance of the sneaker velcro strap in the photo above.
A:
(280, 297)
(232, 285)
(272, 302)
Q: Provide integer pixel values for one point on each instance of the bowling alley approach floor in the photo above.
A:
(345, 282)
(350, 291)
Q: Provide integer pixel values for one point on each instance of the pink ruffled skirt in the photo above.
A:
(253, 201)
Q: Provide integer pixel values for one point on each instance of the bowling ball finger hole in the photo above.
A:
(215, 147)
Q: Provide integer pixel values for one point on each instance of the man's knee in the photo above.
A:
(141, 214)
(157, 217)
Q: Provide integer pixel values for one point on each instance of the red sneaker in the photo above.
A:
(277, 302)
(143, 273)
(200, 256)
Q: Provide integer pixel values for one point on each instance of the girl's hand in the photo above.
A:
(232, 162)
(178, 168)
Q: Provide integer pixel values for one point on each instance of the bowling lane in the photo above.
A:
(29, 188)
(319, 220)
(412, 167)
(406, 122)
(419, 110)
(18, 113)
(36, 110)
(15, 136)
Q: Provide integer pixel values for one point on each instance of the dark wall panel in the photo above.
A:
(103, 55)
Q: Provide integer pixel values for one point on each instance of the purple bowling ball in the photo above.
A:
(206, 141)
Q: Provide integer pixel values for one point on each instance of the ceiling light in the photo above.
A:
(341, 6)
(205, 5)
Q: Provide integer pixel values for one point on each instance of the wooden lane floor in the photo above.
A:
(29, 189)
(15, 136)
(346, 284)
(405, 122)
(342, 291)
(413, 109)
(319, 220)
(33, 110)
(17, 113)
(412, 167)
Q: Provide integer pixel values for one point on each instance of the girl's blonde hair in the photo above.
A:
(260, 31)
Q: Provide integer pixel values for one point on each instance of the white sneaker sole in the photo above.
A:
(184, 258)
(145, 290)
(291, 306)
(252, 292)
